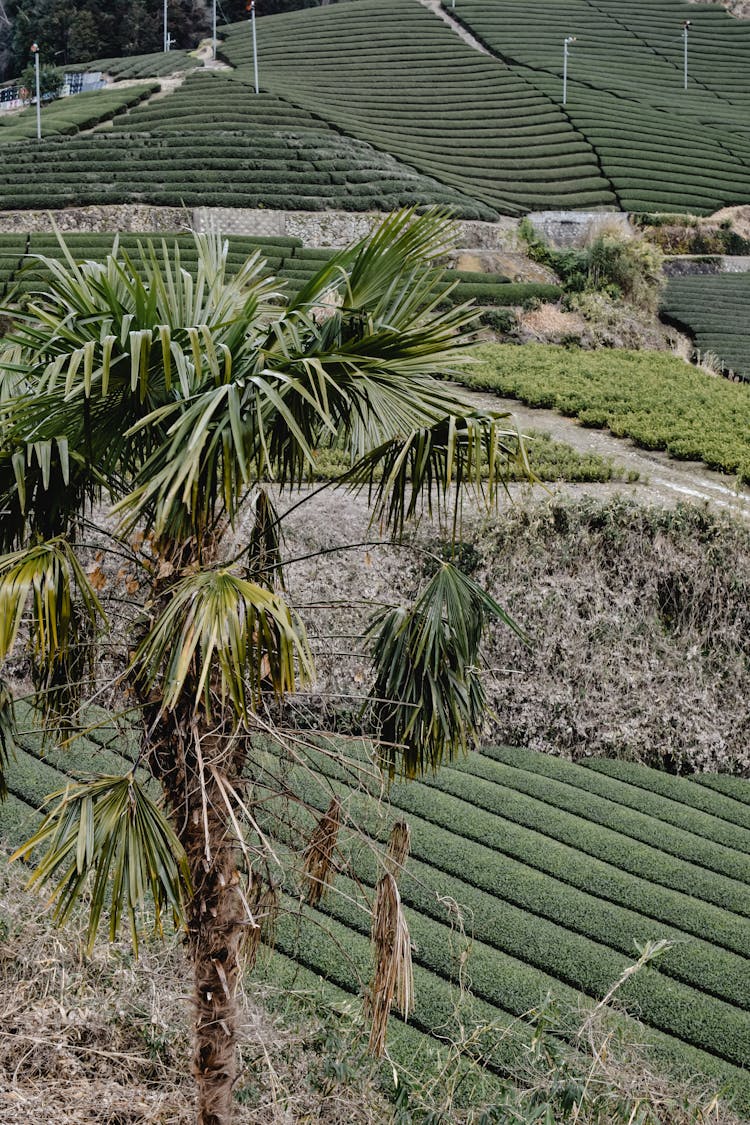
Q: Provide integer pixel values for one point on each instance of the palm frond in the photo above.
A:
(104, 345)
(103, 838)
(428, 700)
(221, 633)
(52, 578)
(429, 467)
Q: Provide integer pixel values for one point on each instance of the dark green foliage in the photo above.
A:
(428, 699)
(713, 309)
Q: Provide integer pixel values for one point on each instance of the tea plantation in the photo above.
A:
(714, 310)
(560, 871)
(213, 142)
(629, 135)
(657, 400)
(375, 104)
(22, 273)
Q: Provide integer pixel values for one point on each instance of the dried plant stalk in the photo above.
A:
(399, 846)
(318, 869)
(265, 908)
(394, 976)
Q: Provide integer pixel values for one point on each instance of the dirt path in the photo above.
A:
(663, 479)
(436, 7)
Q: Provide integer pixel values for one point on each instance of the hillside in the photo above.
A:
(366, 105)
(559, 870)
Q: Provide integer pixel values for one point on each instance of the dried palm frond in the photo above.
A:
(7, 733)
(394, 975)
(318, 870)
(399, 846)
(265, 909)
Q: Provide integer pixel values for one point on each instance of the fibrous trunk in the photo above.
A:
(216, 924)
(216, 914)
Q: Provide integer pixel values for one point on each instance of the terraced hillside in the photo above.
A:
(558, 870)
(21, 273)
(629, 136)
(393, 74)
(661, 147)
(714, 310)
(71, 115)
(214, 142)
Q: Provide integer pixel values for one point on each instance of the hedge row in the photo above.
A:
(140, 66)
(657, 400)
(682, 789)
(649, 807)
(528, 958)
(601, 839)
(69, 115)
(622, 874)
(575, 936)
(449, 114)
(407, 1047)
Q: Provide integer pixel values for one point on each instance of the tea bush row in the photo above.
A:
(499, 855)
(609, 789)
(572, 935)
(682, 789)
(713, 309)
(657, 400)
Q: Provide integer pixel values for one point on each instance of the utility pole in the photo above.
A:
(166, 32)
(35, 53)
(213, 26)
(251, 9)
(685, 32)
(566, 44)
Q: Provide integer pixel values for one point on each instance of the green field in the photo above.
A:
(560, 871)
(713, 309)
(655, 399)
(394, 75)
(70, 115)
(21, 273)
(629, 135)
(211, 142)
(375, 104)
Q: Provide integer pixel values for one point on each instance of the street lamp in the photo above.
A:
(685, 31)
(250, 6)
(566, 43)
(35, 53)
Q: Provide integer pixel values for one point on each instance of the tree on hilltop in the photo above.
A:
(177, 396)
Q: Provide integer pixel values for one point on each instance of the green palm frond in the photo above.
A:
(223, 633)
(429, 467)
(107, 838)
(428, 700)
(105, 344)
(49, 576)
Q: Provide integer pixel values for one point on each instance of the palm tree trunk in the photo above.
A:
(216, 914)
(216, 923)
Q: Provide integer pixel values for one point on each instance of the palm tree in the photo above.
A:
(176, 396)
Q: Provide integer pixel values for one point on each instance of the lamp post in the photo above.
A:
(166, 32)
(566, 44)
(251, 9)
(35, 53)
(213, 29)
(685, 32)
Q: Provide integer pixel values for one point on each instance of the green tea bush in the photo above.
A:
(657, 400)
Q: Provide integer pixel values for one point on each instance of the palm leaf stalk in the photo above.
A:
(176, 395)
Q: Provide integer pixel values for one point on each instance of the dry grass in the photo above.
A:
(640, 620)
(106, 1040)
